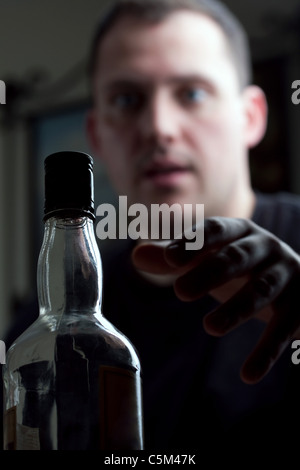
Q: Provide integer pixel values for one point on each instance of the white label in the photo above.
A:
(27, 438)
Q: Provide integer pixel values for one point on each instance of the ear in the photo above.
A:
(256, 115)
(92, 130)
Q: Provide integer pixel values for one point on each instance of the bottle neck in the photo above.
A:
(69, 271)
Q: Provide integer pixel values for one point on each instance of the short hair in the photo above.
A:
(155, 11)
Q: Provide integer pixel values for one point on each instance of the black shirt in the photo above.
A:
(193, 394)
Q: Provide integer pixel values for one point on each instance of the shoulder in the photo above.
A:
(116, 261)
(280, 214)
(116, 282)
(115, 251)
(278, 200)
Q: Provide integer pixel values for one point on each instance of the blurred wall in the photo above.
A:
(44, 45)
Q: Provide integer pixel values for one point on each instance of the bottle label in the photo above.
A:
(119, 413)
(28, 438)
(120, 409)
(10, 428)
(18, 436)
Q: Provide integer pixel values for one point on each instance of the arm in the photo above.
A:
(249, 271)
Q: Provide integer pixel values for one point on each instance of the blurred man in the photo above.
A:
(174, 116)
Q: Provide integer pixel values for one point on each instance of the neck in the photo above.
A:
(69, 268)
(240, 205)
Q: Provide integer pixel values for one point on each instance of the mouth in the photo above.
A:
(166, 174)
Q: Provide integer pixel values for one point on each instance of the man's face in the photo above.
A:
(169, 120)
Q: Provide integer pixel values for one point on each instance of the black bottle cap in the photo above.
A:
(69, 185)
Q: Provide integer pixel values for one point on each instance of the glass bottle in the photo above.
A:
(71, 380)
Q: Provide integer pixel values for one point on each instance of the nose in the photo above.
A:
(159, 120)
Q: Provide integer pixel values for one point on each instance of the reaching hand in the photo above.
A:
(249, 271)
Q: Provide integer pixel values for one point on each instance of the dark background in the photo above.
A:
(43, 52)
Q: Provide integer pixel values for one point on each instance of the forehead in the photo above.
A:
(184, 42)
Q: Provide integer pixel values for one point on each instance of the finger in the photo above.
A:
(250, 299)
(275, 338)
(218, 232)
(153, 258)
(150, 257)
(239, 258)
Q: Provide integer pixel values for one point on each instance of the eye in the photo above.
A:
(192, 95)
(127, 101)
